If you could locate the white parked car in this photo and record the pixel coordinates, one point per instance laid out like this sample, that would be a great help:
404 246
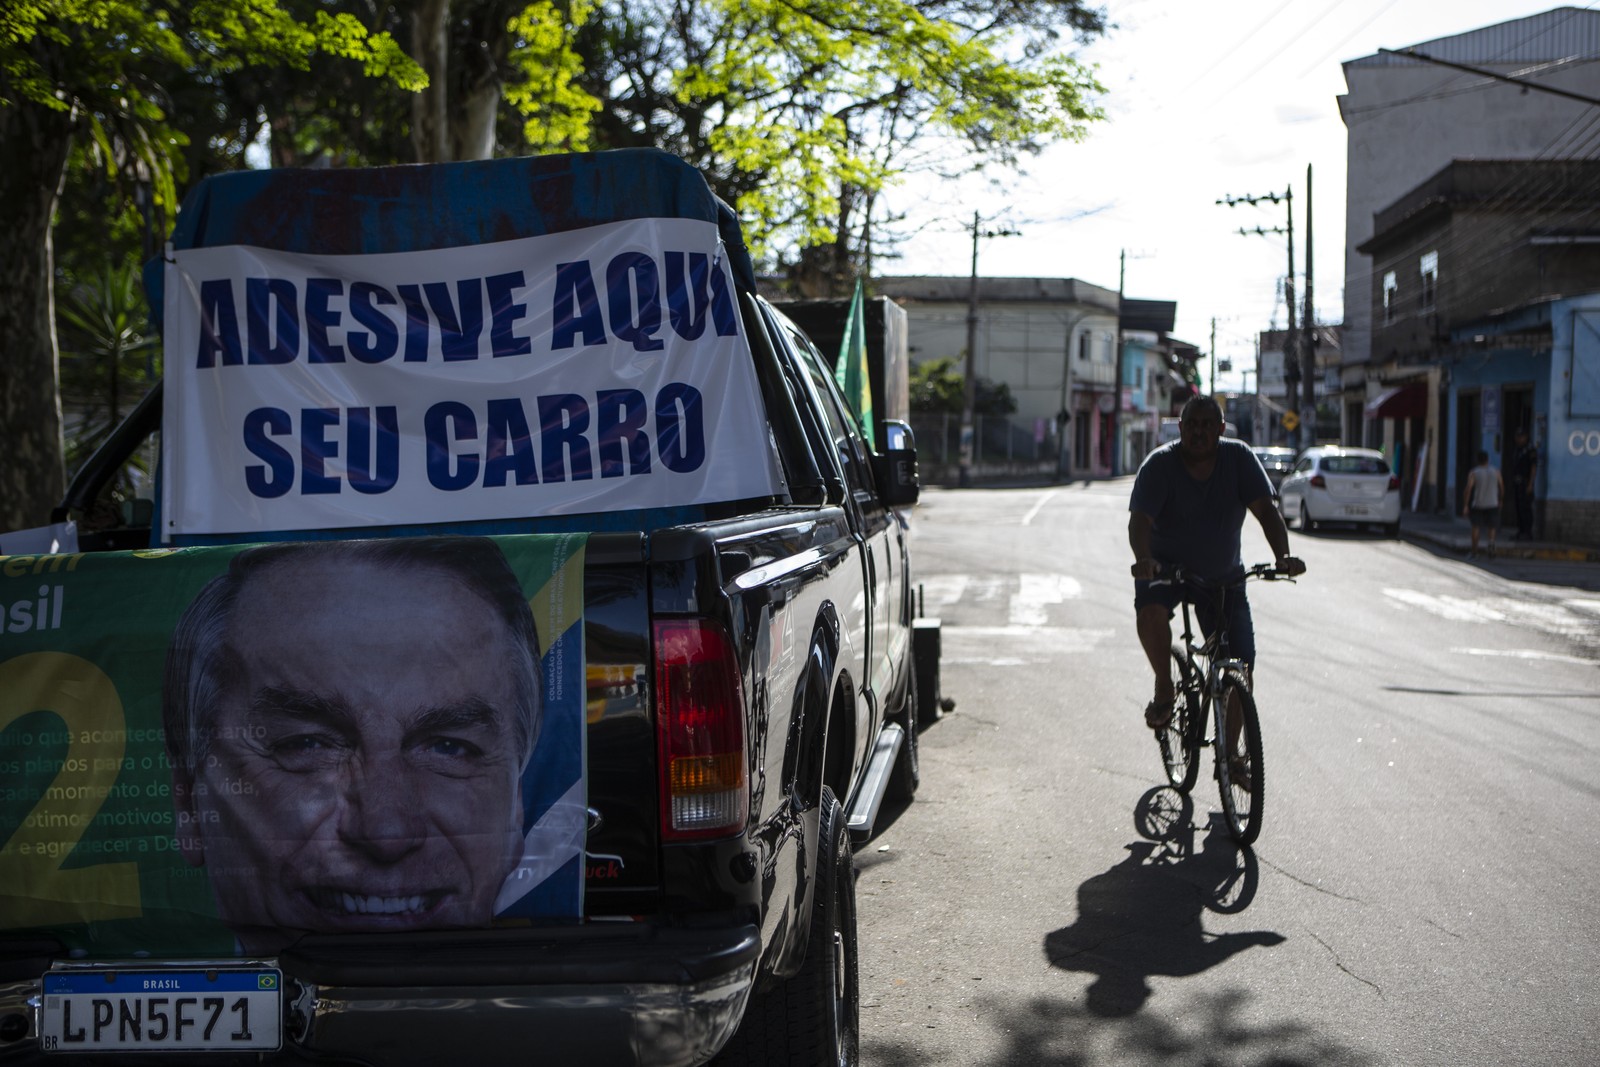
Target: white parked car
1331 484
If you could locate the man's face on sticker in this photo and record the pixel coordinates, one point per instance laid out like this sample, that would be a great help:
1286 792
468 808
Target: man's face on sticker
365 769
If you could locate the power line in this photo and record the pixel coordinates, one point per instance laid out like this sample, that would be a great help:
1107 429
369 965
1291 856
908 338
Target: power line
1412 53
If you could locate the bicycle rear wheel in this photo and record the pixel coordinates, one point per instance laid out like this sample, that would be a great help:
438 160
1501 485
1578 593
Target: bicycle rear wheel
1180 741
1240 776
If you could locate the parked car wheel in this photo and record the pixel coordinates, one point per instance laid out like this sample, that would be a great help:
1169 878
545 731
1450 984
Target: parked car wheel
1294 514
907 774
814 1018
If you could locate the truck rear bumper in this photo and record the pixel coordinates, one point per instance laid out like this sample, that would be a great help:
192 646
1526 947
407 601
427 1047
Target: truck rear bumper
596 994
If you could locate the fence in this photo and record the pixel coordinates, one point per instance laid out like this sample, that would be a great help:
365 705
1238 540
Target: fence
1002 448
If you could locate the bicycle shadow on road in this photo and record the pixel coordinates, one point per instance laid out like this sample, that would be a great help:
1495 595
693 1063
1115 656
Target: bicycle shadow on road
1142 917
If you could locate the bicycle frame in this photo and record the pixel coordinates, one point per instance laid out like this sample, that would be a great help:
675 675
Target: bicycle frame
1217 706
1214 652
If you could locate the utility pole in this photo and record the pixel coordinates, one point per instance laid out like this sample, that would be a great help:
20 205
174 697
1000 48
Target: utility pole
1213 389
1116 410
1116 418
1291 344
970 392
1263 432
1308 348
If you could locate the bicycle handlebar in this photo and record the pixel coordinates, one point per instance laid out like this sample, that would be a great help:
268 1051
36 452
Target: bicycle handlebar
1175 575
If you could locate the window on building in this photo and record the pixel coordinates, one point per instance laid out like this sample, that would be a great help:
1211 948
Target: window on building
1428 267
1391 293
1083 345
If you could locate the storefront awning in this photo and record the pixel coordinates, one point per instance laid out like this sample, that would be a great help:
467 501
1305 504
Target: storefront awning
1409 401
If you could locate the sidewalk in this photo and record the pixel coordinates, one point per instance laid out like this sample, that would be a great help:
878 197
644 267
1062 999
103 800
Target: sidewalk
1455 534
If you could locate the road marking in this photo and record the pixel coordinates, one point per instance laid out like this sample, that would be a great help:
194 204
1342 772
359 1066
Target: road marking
1010 646
1028 518
1454 608
1568 619
1035 592
1527 653
942 590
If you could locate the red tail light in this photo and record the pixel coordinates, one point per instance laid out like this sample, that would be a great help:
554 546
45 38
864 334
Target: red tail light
1319 482
699 730
1394 483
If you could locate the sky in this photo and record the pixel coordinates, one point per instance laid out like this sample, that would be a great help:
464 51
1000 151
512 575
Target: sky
1205 100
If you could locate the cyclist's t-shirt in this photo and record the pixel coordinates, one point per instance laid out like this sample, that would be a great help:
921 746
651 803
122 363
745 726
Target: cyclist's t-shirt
1197 523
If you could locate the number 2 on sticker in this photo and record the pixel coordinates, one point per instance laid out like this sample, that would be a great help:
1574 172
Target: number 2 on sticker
35 889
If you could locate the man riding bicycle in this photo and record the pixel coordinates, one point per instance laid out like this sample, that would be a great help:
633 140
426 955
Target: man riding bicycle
1187 509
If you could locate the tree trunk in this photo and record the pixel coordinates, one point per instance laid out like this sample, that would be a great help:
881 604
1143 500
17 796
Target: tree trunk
476 81
430 114
473 133
35 141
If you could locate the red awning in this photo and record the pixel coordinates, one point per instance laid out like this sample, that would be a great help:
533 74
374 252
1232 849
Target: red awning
1409 401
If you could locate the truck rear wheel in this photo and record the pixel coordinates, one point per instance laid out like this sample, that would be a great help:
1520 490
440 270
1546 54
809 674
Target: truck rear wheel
907 774
814 1018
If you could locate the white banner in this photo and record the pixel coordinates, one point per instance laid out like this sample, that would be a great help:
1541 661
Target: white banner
600 369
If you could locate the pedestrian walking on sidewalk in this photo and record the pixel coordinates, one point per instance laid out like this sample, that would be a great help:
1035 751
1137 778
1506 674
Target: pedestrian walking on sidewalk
1524 465
1485 487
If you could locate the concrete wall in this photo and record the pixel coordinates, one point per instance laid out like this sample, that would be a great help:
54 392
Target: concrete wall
1485 263
1570 473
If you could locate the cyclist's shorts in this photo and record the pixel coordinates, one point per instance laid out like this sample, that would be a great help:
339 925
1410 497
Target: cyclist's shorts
1241 630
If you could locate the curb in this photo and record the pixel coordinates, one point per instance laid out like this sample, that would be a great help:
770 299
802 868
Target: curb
1558 554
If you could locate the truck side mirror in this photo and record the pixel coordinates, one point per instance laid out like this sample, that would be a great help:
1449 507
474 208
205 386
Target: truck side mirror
895 468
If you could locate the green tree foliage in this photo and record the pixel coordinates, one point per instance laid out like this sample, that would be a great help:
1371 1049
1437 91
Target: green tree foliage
938 386
802 111
109 361
105 76
503 79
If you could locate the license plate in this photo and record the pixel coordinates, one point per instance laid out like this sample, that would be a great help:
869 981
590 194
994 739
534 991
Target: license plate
161 1010
1356 509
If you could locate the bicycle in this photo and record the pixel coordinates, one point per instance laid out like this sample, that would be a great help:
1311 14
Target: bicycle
1209 681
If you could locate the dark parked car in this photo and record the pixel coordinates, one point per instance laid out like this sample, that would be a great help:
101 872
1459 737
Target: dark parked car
1277 461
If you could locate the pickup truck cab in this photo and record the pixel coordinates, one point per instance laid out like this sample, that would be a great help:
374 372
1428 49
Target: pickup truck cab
519 636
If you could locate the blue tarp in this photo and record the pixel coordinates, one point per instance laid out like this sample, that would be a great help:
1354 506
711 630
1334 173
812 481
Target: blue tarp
333 211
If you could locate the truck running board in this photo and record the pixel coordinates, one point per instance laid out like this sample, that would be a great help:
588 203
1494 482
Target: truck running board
874 783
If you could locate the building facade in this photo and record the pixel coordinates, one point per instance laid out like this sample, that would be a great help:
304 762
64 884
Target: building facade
1158 375
1051 341
1481 299
1406 119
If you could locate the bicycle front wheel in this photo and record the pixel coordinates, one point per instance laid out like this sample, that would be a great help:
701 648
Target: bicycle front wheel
1240 776
1180 741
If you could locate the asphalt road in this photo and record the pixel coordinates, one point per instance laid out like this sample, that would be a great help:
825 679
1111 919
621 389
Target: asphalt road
1424 889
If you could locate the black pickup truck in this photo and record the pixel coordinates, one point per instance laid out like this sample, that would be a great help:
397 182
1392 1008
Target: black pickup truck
290 778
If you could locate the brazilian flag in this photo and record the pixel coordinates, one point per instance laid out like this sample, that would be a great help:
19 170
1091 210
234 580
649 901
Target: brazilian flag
850 371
